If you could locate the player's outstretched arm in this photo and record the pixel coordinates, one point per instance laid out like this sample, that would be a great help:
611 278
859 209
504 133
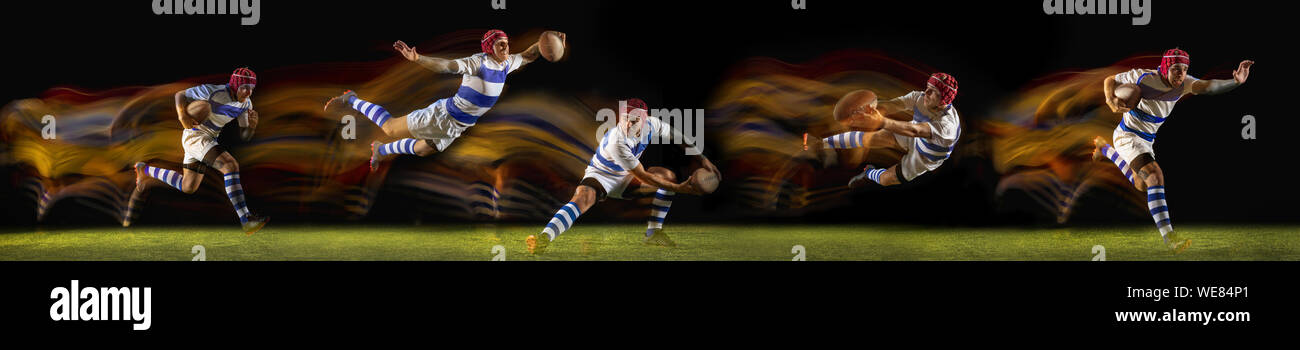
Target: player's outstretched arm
658 181
676 134
1219 86
907 129
535 51
440 65
181 113
891 107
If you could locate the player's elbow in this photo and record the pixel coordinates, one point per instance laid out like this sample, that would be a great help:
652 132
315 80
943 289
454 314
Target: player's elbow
446 66
916 130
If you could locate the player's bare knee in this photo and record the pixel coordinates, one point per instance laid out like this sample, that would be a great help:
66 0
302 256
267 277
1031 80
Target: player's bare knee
1153 175
189 187
584 197
423 149
228 167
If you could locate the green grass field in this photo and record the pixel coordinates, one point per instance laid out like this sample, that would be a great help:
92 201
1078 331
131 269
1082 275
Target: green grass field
623 242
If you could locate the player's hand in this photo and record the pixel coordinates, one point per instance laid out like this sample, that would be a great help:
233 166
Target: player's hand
867 118
561 35
1242 72
252 119
710 167
185 119
1117 105
407 51
688 187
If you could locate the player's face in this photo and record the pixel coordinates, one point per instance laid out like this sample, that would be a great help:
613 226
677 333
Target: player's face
633 122
932 96
1177 73
501 49
244 92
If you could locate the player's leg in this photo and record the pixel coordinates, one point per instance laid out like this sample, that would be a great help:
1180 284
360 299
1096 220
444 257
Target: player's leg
883 176
186 181
1103 151
235 191
175 179
397 127
191 177
379 150
374 112
663 200
1154 177
851 139
583 198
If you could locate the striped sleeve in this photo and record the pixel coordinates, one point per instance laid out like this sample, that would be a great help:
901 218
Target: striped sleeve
1129 77
200 92
243 117
909 100
469 65
945 128
517 61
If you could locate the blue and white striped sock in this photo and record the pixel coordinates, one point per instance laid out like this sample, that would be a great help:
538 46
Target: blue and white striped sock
874 174
403 146
852 139
374 112
562 221
1111 154
236 193
170 177
1159 209
658 210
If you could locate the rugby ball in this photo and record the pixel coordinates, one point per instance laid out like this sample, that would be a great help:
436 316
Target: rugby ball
199 110
1131 94
552 46
706 181
847 109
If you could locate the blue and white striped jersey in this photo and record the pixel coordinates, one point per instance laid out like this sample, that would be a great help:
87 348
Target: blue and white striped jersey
619 153
1157 103
224 108
480 85
945 129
